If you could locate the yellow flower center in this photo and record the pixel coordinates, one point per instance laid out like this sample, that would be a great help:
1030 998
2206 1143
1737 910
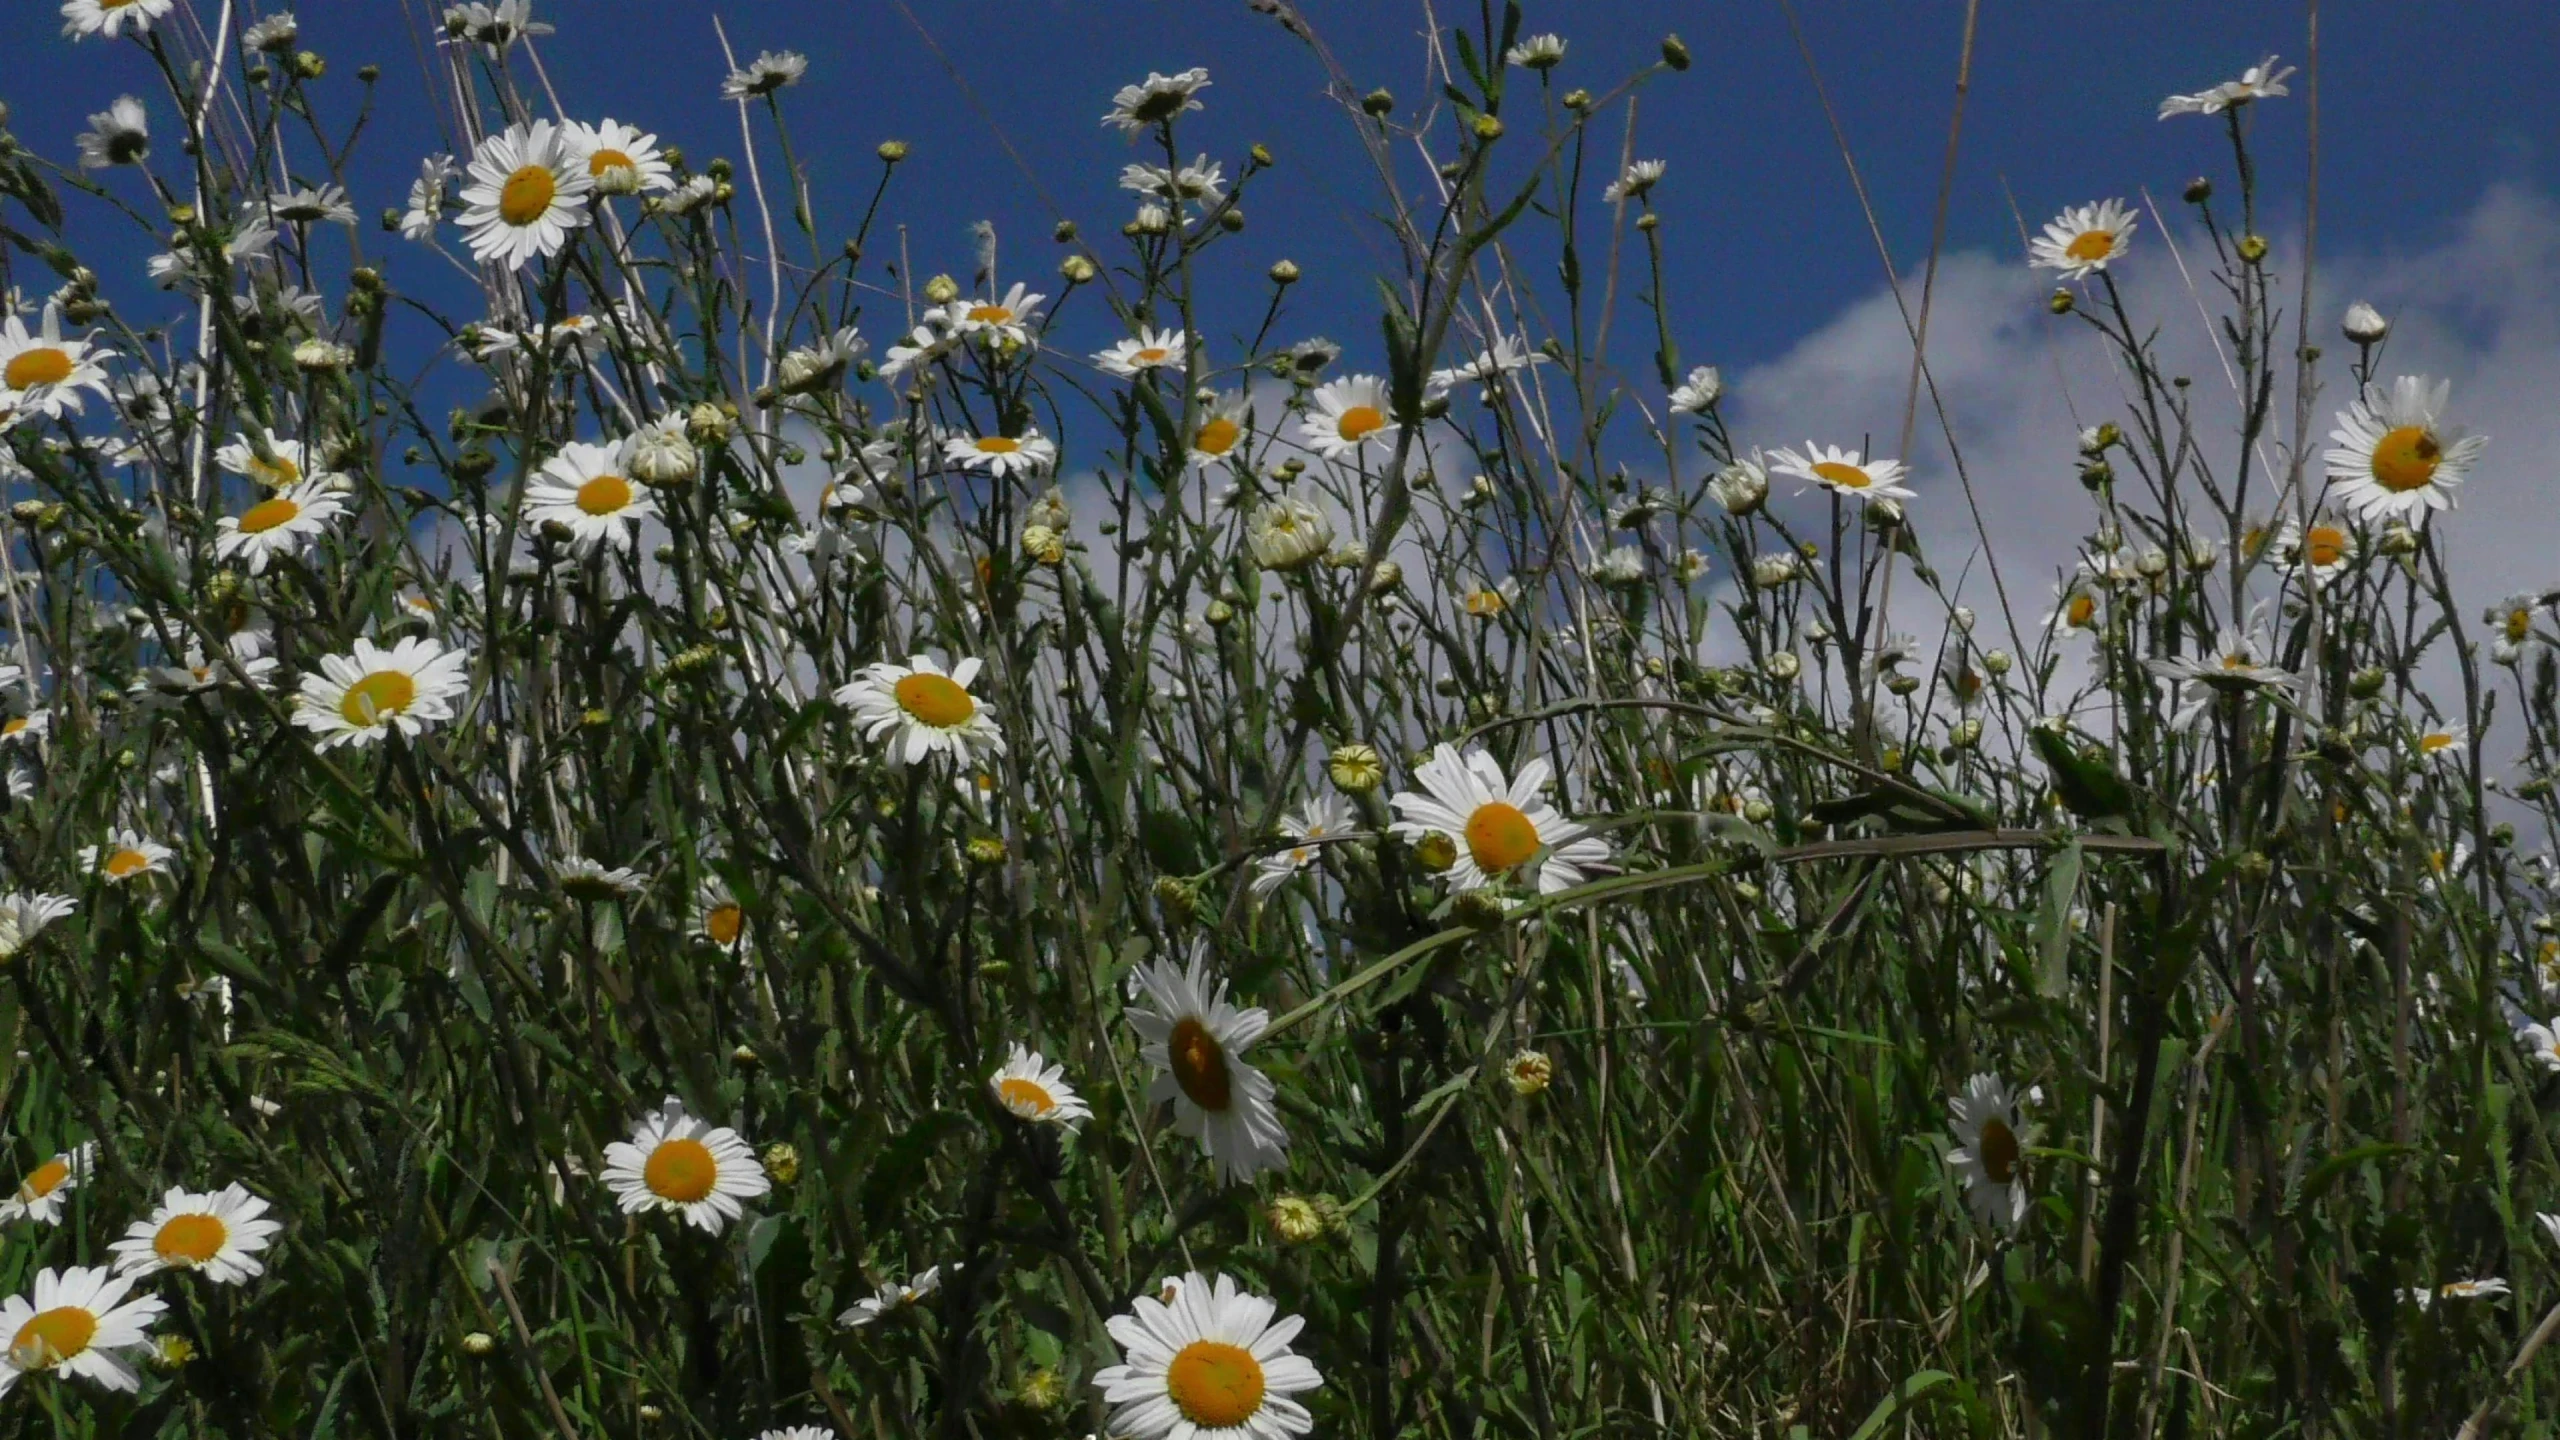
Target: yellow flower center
14 725
1847 477
990 315
187 1241
998 444
2091 245
2406 459
48 1177
936 700
2430 744
43 365
2082 610
2326 545
604 160
1484 603
2519 625
1025 1097
275 474
1359 421
380 694
1199 1064
1500 838
266 515
681 1170
1998 1151
725 923
120 865
1217 437
1215 1385
2236 661
526 197
1151 355
52 1336
605 495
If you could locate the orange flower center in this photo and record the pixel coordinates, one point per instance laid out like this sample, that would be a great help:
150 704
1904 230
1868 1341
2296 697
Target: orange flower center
681 1170
1151 355
1998 1151
935 700
526 197
14 725
1360 421
605 495
998 444
1215 1385
725 924
1483 603
266 515
2406 459
43 365
604 160
1217 437
48 1177
2435 742
1025 1097
2325 545
990 314
121 864
1500 838
52 1336
1199 1064
382 693
187 1241
2091 245
1847 477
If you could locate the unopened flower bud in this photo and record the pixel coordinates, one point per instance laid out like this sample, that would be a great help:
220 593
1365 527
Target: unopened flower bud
782 1162
941 290
2364 324
1355 769
1529 1072
1284 272
892 151
1997 662
1435 852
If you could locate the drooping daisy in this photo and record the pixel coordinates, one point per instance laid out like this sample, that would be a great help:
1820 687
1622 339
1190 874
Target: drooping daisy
45 371
1197 1041
304 205
675 1162
1346 415
924 345
1499 825
218 1233
2081 240
1538 52
1321 818
1842 472
799 1432
1507 356
1030 453
929 708
24 916
717 915
1635 182
580 878
428 196
40 1191
583 490
1148 350
1202 180
2234 663
1209 1364
2392 457
1156 100
1222 432
2481 1289
1033 1089
126 856
117 135
891 1298
1005 319
1991 1132
771 71
84 18
77 1321
1699 393
528 190
2262 81
620 159
1288 531
277 525
359 697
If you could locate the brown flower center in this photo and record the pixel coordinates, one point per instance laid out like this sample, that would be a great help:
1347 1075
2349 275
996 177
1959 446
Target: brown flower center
1199 1064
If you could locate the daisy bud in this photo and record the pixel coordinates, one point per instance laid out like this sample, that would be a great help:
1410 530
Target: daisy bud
660 456
2060 302
1041 1391
651 1414
1784 665
1529 1072
1386 577
1043 544
1477 910
941 290
2199 190
1262 156
1997 662
172 1352
2253 248
1435 852
986 849
1077 269
2153 564
1758 812
1674 53
2365 325
1176 897
1218 613
2367 682
318 356
479 1344
1902 684
782 1162
1231 219
2397 539
309 65
1488 127
1286 532
707 424
1064 233
1296 1220
1284 272
1378 103
1577 99
1962 619
1355 769
892 151
1964 735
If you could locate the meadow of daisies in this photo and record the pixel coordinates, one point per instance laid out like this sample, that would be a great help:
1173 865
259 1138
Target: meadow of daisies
760 833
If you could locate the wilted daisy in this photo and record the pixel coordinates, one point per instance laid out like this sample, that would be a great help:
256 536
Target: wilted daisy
717 915
117 135
1221 435
2262 81
359 697
2079 607
1157 99
1029 453
1842 472
1147 350
78 1322
1319 819
1741 487
1698 394
1621 566
2081 240
46 371
272 36
1200 180
924 344
923 709
1197 1042
24 916
1033 1089
1635 182
528 190
2512 618
771 71
1346 415
583 490
1499 825
83 18
218 1234
1287 531
620 159
891 1298
127 855
1990 1150
41 1191
580 878
2392 458
277 525
1208 1364
1006 318
677 1163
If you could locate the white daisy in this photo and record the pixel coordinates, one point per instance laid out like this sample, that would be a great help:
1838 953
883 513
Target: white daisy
771 71
2441 745
127 855
1321 818
286 463
1155 101
1148 350
2479 1289
277 525
2262 81
1202 180
891 1298
799 1432
304 205
1635 182
1005 319
1209 1364
1538 52
1699 392
2393 459
528 190
1508 355
583 490
929 708
717 915
2081 240
117 135
27 728
77 1321
40 372
1346 415
1033 1089
1842 472
359 697
2542 1042
924 344
24 916
1197 1041
428 196
675 1162
1990 1151
2327 550
84 18
40 1191
1223 429
580 878
219 1233
620 159
1029 453
1499 825
2235 663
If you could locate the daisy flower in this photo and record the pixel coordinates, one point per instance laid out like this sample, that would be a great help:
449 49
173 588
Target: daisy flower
2262 81
1208 1364
1201 180
2326 550
117 135
580 878
1507 356
1500 825
675 1162
1344 416
1635 182
1197 1041
84 18
286 462
891 1298
1287 531
1222 431
1842 472
1321 818
528 190
29 727
2234 663
24 916
799 1432
359 697
1155 101
2391 457
929 709
2513 617
1538 52
125 856
583 490
926 343
277 525
304 205
2457 1290
1699 393
1029 453
1004 319
2442 746
2081 240
219 1233
1149 350
717 915
45 371
1990 1146
771 71
40 1192
427 197
77 1321
620 159
2541 1042
1033 1089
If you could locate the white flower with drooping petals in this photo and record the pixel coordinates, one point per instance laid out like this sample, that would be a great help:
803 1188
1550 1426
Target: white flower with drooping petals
1322 818
84 18
1197 1041
1031 1088
41 1191
2262 81
1156 100
1991 1139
